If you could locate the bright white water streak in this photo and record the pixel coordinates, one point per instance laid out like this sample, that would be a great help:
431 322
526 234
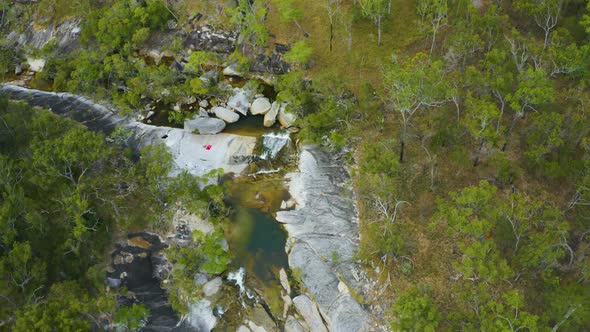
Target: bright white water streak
238 277
273 143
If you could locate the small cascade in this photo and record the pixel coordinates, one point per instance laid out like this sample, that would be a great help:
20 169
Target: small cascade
273 143
238 277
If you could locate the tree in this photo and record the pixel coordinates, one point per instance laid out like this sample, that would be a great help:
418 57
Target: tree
546 13
414 310
248 18
435 11
482 115
507 314
332 8
68 307
414 84
376 10
544 136
23 271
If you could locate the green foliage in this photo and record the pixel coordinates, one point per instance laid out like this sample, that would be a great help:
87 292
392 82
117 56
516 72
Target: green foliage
545 135
199 59
381 159
216 257
8 57
248 18
66 309
132 318
125 25
533 89
288 10
482 115
508 315
414 310
294 90
300 53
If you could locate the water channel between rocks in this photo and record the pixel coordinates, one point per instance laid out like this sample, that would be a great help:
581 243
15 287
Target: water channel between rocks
256 239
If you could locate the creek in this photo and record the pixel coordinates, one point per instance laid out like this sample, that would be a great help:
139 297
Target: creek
256 240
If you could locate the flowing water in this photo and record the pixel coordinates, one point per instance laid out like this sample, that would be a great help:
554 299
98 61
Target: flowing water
273 143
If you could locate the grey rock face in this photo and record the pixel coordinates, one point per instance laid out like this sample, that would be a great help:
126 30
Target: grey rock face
66 35
260 106
204 126
292 325
239 102
207 38
323 222
226 115
310 313
212 287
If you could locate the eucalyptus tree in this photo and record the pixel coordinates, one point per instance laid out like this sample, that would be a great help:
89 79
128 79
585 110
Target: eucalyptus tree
332 9
435 12
413 84
546 14
375 10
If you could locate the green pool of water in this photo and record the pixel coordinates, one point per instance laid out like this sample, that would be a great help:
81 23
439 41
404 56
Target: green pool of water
257 241
258 244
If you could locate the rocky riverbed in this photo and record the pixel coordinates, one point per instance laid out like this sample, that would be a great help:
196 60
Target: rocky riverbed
318 214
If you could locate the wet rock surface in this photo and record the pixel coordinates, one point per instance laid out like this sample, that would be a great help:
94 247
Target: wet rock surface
325 222
133 267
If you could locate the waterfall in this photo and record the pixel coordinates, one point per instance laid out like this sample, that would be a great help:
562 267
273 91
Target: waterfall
273 143
238 277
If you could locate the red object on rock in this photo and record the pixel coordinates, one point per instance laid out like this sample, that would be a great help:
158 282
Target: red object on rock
208 147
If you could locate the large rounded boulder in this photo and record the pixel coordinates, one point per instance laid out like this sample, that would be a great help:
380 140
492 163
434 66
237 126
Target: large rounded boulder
225 114
204 126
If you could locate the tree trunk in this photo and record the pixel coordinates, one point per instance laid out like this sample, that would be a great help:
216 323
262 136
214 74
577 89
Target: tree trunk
378 30
546 37
434 30
478 154
402 142
512 124
331 35
401 151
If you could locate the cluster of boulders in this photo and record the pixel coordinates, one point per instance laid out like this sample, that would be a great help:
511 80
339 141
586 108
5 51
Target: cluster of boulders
214 119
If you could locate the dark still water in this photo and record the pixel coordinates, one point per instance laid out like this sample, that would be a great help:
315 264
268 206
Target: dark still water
258 243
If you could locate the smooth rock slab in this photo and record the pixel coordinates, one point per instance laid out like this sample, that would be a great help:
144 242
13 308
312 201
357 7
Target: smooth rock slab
260 106
204 126
325 221
226 115
292 325
310 313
